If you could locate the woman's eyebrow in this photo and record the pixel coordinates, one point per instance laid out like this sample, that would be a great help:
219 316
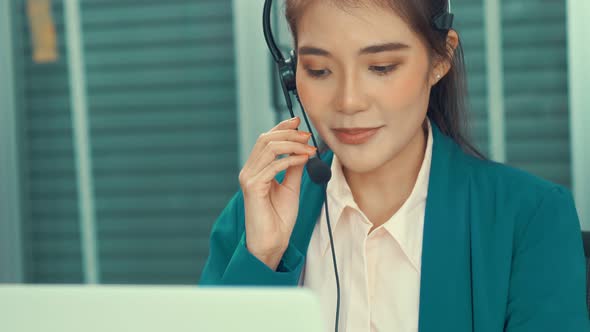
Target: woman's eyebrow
372 49
383 48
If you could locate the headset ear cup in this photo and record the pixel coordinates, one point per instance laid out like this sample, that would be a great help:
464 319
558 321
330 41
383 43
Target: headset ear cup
294 60
287 71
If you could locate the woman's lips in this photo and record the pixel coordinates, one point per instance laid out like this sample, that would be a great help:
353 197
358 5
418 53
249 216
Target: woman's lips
355 135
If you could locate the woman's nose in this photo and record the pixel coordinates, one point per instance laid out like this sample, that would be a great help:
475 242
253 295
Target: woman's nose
350 97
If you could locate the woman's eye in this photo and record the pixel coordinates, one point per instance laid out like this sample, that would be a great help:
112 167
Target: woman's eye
383 70
316 73
321 73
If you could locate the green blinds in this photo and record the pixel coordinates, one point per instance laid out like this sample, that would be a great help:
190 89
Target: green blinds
163 131
534 54
535 87
50 218
469 16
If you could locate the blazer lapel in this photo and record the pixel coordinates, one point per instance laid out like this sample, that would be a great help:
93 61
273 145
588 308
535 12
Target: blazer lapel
445 285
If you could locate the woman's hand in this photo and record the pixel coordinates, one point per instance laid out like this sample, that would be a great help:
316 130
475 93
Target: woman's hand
271 207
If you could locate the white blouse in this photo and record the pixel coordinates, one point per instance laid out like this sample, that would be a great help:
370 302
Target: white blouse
379 272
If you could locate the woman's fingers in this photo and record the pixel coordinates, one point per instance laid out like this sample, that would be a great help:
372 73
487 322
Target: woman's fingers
271 138
291 123
271 170
276 148
278 132
292 179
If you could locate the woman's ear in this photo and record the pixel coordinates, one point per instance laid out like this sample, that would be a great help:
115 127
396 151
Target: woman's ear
443 65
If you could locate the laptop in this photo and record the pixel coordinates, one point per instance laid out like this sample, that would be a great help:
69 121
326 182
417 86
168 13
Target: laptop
113 308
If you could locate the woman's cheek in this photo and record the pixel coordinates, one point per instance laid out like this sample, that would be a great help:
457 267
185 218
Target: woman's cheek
303 89
311 95
308 100
404 91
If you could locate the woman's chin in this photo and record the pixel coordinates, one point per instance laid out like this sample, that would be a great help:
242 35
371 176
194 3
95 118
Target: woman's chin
359 163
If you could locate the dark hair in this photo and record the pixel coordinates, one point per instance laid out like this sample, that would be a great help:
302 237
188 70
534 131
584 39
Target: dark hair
447 98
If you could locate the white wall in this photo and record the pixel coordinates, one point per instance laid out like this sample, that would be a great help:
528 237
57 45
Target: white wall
579 73
253 74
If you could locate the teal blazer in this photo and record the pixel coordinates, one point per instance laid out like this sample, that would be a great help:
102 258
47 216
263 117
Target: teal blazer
502 249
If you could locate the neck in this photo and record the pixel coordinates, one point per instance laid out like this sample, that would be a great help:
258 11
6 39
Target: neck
381 192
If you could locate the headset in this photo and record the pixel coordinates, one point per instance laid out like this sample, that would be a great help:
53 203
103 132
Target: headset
319 172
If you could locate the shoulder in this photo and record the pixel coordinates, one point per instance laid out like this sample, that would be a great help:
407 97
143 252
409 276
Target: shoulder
504 177
512 190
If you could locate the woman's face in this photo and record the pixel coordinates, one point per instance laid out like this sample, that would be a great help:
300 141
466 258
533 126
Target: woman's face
362 68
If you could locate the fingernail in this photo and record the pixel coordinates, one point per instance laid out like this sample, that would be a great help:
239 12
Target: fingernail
293 119
305 134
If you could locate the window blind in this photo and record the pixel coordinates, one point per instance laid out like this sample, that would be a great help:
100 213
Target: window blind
163 131
535 85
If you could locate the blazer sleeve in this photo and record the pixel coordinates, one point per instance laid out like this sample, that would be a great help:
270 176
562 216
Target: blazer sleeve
548 276
230 262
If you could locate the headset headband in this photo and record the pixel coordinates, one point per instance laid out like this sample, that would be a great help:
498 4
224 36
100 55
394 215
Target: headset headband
444 21
272 46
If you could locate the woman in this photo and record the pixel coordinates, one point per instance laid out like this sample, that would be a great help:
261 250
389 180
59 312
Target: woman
429 236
